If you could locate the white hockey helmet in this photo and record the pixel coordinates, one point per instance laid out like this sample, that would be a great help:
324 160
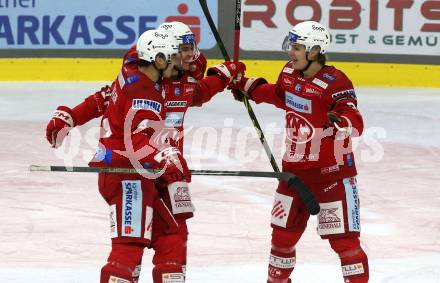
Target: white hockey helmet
309 34
154 42
181 32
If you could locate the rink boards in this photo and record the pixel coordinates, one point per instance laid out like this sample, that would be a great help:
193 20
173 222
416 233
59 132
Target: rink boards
94 69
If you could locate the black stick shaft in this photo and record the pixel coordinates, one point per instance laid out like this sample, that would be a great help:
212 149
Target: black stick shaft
248 106
304 193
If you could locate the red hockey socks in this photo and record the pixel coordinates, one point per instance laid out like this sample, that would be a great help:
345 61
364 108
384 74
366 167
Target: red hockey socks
354 261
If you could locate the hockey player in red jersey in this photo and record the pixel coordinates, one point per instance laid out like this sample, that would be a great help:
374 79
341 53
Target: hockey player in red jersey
135 100
136 103
185 87
321 118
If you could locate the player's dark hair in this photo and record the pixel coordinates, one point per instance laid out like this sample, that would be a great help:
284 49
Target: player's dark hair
322 59
143 63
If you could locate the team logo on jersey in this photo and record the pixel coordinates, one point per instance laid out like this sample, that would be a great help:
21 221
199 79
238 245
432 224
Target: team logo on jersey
298 129
298 88
177 91
320 83
174 119
131 208
171 104
329 77
297 103
145 104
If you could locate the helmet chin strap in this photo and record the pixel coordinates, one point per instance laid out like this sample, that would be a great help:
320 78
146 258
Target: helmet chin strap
309 62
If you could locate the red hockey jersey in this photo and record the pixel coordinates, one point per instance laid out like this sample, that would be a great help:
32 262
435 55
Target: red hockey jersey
314 150
133 115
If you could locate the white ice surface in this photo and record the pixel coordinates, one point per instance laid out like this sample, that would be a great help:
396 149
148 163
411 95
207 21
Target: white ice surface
53 226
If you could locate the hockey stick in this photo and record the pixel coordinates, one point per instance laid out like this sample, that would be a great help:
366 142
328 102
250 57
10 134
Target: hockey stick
237 30
227 58
304 193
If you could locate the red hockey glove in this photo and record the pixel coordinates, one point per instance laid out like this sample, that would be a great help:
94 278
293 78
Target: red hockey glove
227 70
245 85
174 165
341 123
59 126
238 95
198 66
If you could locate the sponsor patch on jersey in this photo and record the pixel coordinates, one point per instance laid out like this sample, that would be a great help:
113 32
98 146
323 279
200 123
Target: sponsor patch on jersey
132 79
280 209
298 104
191 80
131 208
329 77
114 95
349 160
331 218
148 222
288 81
137 271
351 194
330 169
114 279
329 188
146 104
349 93
282 262
121 80
353 269
320 83
113 221
311 90
174 119
180 198
173 277
172 104
189 89
288 70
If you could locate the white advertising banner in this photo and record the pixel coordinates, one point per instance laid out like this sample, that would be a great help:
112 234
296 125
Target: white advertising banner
364 26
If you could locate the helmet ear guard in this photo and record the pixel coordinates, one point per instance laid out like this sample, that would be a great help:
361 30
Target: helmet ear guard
154 43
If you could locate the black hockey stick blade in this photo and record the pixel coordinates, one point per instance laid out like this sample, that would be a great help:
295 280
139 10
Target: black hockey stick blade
245 99
293 181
